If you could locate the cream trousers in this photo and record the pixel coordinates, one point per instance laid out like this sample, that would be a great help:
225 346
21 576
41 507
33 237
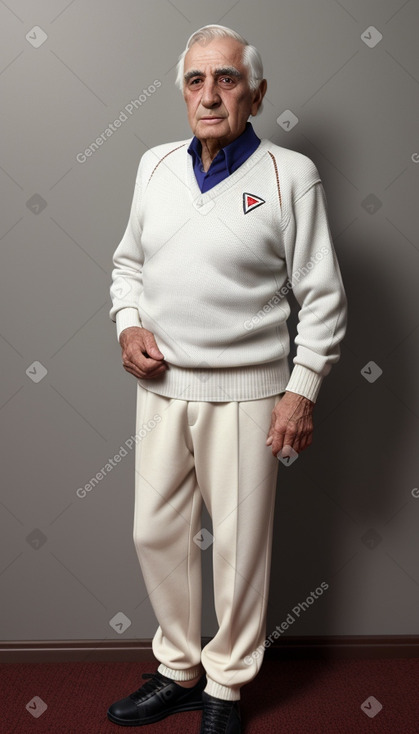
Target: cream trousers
189 452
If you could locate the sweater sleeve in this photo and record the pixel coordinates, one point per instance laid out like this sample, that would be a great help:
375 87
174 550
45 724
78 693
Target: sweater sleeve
127 282
317 285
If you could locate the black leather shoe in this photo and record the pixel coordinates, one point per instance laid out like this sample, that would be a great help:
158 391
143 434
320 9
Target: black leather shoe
155 700
220 717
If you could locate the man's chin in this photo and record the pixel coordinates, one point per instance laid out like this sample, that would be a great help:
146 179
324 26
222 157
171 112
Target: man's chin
212 129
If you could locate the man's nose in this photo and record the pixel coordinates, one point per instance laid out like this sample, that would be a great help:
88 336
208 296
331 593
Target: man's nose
210 95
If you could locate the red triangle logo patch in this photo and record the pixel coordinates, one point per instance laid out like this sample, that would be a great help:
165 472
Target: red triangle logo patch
251 201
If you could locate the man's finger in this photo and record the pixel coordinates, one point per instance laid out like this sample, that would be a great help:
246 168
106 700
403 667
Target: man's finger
139 359
141 373
290 437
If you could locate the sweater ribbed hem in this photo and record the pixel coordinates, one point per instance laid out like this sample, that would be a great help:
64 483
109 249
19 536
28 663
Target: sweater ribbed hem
305 382
221 385
219 691
180 674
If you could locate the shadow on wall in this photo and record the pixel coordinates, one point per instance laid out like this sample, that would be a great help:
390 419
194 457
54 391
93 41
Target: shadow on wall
339 501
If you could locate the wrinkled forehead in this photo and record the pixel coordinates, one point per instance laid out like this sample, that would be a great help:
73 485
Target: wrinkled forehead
216 54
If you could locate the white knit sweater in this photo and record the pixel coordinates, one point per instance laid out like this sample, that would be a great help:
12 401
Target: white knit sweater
209 273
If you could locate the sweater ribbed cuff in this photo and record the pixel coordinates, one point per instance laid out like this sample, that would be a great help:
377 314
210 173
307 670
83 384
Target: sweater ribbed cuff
305 382
218 691
125 318
180 674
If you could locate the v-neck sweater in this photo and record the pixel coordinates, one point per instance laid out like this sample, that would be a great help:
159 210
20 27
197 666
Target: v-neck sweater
209 273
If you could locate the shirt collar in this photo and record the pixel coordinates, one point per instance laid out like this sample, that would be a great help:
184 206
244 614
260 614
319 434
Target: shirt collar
231 152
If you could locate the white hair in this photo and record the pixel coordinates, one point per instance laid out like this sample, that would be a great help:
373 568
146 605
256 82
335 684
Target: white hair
251 57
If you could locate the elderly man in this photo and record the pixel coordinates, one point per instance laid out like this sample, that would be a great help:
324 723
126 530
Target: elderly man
221 227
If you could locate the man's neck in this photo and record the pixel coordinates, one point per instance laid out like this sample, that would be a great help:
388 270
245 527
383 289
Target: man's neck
210 148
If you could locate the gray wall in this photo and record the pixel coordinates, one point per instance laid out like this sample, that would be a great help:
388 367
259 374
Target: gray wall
347 509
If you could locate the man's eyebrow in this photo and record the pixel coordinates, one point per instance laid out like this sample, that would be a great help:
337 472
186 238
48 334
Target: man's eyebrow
228 71
221 71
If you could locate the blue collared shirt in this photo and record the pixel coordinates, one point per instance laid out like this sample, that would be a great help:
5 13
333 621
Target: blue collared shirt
227 160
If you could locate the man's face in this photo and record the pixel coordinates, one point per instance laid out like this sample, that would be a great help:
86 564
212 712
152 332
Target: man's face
216 91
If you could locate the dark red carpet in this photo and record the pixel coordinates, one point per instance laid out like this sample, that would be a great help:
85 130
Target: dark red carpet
288 697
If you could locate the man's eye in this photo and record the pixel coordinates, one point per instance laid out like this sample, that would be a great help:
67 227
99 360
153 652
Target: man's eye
194 81
226 79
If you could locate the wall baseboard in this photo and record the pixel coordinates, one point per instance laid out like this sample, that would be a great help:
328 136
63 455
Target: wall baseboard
333 646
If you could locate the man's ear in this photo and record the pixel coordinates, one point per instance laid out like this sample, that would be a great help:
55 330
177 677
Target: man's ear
259 94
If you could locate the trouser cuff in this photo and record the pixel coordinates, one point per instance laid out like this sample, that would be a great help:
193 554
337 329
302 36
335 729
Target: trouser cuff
224 692
180 674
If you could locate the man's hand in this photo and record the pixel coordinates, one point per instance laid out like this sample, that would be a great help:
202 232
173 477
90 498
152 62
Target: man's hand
291 424
140 353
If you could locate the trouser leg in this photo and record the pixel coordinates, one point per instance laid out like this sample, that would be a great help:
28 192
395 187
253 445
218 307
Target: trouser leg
167 515
237 476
